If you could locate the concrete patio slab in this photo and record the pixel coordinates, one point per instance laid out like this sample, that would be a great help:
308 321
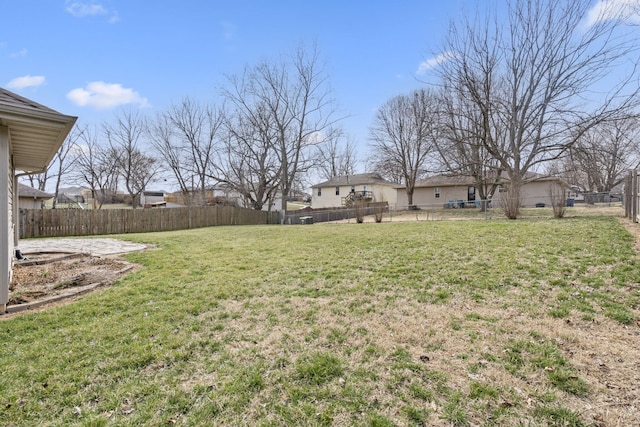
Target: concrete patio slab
99 246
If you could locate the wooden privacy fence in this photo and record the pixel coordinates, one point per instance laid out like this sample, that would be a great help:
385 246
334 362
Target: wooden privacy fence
325 215
78 222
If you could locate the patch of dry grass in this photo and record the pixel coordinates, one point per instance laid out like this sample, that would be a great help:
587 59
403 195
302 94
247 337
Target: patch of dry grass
439 323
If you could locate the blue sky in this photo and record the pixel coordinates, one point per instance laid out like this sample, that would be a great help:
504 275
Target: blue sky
89 58
148 54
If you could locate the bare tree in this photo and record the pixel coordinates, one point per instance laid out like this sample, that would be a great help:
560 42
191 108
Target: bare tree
162 136
187 137
39 180
533 77
248 162
289 108
387 168
65 159
136 168
462 131
95 166
336 156
605 153
403 136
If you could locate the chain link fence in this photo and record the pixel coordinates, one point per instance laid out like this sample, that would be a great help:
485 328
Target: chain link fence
450 211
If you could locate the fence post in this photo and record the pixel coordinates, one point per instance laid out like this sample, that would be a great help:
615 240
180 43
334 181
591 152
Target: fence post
634 206
629 198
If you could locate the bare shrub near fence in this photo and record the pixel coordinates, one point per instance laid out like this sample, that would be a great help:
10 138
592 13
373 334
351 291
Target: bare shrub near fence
558 200
510 201
360 208
377 212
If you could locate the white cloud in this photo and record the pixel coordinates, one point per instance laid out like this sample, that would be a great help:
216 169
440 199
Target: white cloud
19 54
103 95
228 30
605 10
434 62
26 81
114 17
80 10
315 138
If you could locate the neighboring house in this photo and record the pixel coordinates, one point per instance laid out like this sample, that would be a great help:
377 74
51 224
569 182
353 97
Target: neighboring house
339 191
70 201
30 135
153 199
440 191
577 193
539 190
457 191
225 193
31 198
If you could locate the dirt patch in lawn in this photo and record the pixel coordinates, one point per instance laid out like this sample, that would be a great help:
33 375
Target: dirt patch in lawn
52 277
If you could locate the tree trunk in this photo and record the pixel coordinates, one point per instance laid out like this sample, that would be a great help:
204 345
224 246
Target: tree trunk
511 199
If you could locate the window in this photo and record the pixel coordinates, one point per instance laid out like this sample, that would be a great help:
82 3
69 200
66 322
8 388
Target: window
337 191
319 191
471 194
436 192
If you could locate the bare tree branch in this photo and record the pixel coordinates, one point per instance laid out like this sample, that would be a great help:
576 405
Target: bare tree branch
403 137
136 168
536 82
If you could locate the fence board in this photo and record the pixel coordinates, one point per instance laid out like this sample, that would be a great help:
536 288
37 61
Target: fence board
78 222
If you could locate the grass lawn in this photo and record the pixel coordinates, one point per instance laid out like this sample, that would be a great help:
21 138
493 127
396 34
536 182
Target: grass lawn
528 322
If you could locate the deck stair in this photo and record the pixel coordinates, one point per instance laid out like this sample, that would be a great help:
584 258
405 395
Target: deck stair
356 196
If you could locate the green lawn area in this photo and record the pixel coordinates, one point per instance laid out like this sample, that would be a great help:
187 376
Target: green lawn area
527 322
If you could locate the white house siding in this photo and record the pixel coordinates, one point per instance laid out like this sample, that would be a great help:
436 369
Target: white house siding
6 213
150 197
329 199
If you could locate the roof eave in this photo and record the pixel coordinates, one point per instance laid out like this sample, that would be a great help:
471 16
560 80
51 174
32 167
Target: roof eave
61 124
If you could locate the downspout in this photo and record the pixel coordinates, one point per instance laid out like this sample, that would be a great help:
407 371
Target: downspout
16 212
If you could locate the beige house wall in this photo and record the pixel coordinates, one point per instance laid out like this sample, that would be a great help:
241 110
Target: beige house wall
534 192
531 193
29 203
426 196
385 193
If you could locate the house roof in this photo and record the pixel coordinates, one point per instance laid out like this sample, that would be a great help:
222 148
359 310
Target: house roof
467 180
36 131
357 179
32 193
